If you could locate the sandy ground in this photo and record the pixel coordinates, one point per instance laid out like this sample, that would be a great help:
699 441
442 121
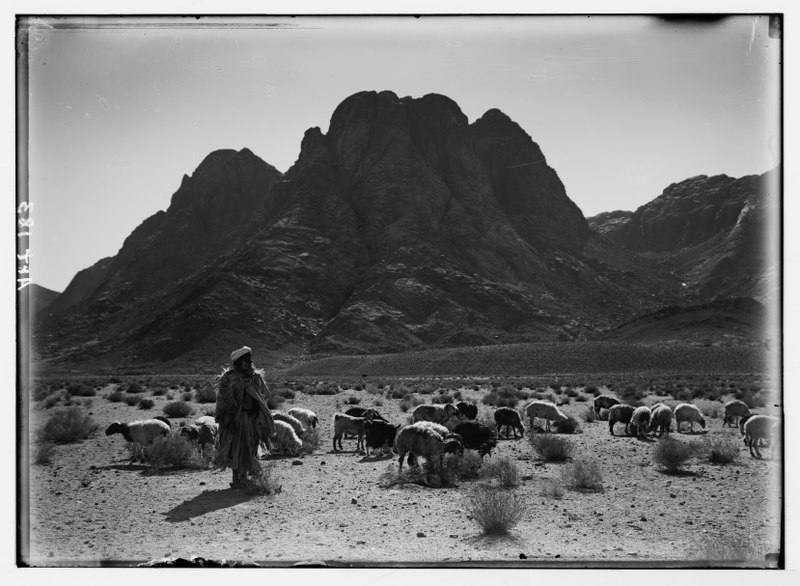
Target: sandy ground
90 506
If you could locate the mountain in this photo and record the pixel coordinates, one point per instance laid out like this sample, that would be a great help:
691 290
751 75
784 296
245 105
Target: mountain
403 227
40 297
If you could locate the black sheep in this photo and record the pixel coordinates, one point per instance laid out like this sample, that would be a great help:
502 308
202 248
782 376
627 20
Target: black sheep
468 410
365 413
508 418
379 433
476 436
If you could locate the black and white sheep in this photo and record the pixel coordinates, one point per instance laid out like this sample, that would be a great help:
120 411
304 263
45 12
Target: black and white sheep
367 413
285 440
544 410
419 442
379 434
204 431
164 419
620 413
144 431
508 418
661 419
604 402
306 416
468 410
760 431
435 413
476 436
640 420
686 412
734 411
296 424
343 423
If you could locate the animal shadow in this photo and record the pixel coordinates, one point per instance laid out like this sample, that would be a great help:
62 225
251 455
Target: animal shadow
375 458
207 501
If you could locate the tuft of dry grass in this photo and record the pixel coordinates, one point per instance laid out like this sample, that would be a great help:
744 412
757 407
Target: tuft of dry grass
583 475
551 448
504 469
721 450
495 511
264 483
551 489
672 454
172 451
44 453
178 409
67 426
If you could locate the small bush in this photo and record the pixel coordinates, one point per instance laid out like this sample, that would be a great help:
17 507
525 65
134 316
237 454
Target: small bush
551 489
44 453
187 396
145 404
495 511
505 470
206 394
672 454
571 425
132 400
378 402
551 448
722 450
352 400
135 387
505 396
81 390
67 426
159 392
583 475
178 409
409 402
590 416
469 465
172 451
264 483
116 397
441 399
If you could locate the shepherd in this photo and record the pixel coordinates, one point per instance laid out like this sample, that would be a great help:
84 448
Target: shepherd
243 416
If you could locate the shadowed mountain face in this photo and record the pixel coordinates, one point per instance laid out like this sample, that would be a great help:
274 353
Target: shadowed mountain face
404 227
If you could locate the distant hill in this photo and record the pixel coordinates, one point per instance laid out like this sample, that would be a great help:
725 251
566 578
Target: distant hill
40 297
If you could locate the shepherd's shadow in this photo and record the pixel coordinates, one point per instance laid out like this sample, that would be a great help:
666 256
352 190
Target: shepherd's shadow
207 501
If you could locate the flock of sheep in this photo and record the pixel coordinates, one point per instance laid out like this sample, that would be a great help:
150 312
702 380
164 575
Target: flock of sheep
440 429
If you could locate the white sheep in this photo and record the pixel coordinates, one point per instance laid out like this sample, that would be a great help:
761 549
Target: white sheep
735 410
285 440
604 402
661 419
620 414
343 423
640 420
757 428
544 410
419 441
297 426
306 416
688 412
143 431
435 413
204 430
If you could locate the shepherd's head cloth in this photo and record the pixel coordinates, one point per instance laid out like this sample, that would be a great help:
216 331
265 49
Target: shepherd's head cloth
237 354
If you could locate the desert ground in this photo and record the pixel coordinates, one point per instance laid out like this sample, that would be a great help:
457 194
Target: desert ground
89 505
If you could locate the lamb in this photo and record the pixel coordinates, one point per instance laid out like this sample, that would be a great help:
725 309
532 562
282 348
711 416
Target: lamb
143 431
544 410
604 402
508 418
343 423
757 428
468 410
735 410
688 412
286 440
379 434
661 419
419 441
297 426
620 414
307 417
640 420
435 413
476 436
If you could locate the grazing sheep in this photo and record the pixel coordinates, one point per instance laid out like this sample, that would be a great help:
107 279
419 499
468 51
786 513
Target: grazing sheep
437 427
476 436
286 440
143 431
688 412
640 420
419 441
297 426
453 444
661 419
204 431
758 428
164 419
620 414
604 402
307 417
205 420
468 410
343 423
508 418
544 410
735 410
369 414
379 434
435 413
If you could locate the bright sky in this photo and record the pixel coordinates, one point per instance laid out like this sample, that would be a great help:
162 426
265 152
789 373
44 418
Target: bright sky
620 106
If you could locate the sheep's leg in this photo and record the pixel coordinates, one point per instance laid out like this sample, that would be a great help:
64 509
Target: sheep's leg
402 455
611 427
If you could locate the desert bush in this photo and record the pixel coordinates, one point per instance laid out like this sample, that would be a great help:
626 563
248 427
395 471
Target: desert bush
159 392
51 402
41 392
551 489
469 465
581 399
43 453
504 469
145 404
495 511
672 454
135 387
583 475
551 448
378 402
571 392
132 400
81 390
286 394
178 409
352 400
264 483
589 416
571 425
116 396
206 394
734 549
310 440
441 398
172 451
409 402
505 396
721 450
67 426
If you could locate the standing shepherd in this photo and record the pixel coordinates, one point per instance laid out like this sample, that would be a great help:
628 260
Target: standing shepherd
243 417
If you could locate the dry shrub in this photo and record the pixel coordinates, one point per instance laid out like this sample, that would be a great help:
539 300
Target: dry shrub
722 450
135 387
571 425
551 489
263 483
44 453
496 511
132 400
590 416
67 426
116 396
206 394
504 469
178 409
740 548
146 404
469 465
551 448
505 396
672 454
583 475
172 451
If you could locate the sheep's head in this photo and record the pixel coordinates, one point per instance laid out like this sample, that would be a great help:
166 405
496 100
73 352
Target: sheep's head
115 427
702 422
